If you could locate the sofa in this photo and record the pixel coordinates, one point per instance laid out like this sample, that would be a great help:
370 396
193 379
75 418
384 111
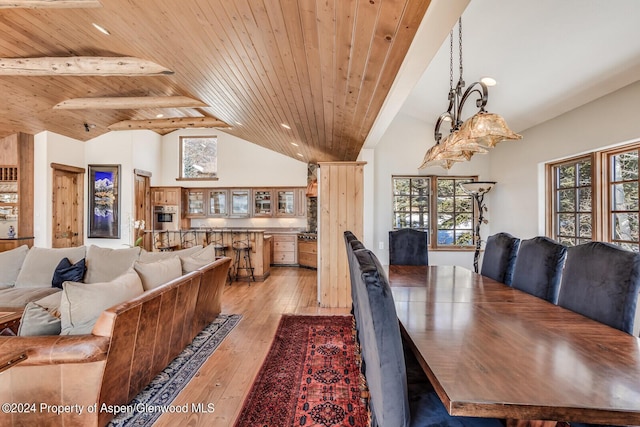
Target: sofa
101 360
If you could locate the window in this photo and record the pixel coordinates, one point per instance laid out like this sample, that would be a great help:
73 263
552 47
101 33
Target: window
595 197
198 157
572 201
623 199
450 211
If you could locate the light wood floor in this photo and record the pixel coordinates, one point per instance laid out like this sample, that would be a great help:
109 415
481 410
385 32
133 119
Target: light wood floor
227 376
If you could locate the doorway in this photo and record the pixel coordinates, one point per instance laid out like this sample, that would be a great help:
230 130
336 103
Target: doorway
142 210
67 206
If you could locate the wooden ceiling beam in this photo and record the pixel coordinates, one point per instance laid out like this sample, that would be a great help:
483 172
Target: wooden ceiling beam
45 4
170 123
81 66
129 103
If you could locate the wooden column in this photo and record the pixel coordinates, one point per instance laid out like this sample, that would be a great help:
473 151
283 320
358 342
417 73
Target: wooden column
340 208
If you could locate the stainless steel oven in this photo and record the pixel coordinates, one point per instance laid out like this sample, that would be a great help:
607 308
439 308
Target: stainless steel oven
166 218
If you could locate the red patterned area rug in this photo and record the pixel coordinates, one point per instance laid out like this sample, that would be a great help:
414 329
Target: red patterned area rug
311 377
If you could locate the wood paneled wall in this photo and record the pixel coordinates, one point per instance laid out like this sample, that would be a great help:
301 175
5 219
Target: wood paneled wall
340 208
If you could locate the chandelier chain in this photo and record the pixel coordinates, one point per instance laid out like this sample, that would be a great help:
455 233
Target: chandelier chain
451 60
460 44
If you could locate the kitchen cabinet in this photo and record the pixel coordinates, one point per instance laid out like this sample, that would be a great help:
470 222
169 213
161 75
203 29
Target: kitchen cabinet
308 253
284 249
301 201
165 196
218 203
16 189
195 203
286 202
240 203
262 202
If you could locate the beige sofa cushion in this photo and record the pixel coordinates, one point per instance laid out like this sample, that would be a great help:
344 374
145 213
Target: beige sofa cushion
51 303
40 263
105 264
154 274
19 297
36 320
82 303
10 265
146 256
198 259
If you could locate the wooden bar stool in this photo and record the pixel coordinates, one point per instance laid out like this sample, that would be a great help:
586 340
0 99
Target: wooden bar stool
241 245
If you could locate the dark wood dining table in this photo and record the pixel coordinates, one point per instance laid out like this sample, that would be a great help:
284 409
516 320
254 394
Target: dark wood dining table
493 351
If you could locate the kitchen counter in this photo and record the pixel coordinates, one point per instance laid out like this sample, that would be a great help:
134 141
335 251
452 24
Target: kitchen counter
8 243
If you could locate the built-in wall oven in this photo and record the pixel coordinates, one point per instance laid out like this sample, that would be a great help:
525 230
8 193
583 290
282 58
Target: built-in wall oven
166 217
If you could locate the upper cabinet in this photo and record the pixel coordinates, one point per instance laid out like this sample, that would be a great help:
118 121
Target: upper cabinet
165 195
242 202
16 186
218 203
262 202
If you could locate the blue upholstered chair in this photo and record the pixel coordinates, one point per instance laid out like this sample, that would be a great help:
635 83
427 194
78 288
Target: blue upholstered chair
408 247
601 281
538 268
393 403
499 257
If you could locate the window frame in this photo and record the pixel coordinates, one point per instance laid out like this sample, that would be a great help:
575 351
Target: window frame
432 213
181 177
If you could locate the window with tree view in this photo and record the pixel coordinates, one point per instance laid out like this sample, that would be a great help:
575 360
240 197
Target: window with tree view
198 157
450 211
623 203
573 201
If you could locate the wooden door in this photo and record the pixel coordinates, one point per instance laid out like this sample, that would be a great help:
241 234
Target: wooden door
142 209
67 206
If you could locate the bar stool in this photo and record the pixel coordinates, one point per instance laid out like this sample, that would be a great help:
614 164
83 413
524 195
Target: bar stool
216 238
188 238
241 244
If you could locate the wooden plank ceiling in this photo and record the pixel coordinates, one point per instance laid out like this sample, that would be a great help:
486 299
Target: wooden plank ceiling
321 67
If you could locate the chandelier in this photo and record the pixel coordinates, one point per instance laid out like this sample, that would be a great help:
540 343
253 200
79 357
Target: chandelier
476 135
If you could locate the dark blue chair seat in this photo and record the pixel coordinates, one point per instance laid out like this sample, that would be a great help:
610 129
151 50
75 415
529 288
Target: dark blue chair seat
601 281
499 257
538 268
408 247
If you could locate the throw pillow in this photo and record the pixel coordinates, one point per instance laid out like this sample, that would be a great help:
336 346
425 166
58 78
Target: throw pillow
67 272
198 259
51 303
146 256
36 320
82 303
154 274
40 263
10 265
105 264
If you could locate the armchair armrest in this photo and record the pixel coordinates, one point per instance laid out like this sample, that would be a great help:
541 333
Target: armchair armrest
52 350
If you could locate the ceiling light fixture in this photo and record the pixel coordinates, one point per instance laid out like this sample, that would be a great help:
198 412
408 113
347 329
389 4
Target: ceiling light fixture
300 155
159 116
294 144
101 29
286 126
482 131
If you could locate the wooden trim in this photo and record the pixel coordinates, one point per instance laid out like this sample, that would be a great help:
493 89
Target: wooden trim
49 4
67 168
142 172
129 103
170 123
341 163
81 66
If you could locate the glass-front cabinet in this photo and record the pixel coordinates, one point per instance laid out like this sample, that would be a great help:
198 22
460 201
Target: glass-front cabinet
262 202
218 206
195 203
8 208
240 203
286 202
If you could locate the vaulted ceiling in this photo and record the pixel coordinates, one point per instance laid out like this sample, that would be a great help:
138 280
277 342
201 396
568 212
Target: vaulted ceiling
322 68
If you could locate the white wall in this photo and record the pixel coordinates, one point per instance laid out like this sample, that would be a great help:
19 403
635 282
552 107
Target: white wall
240 164
518 166
50 148
139 149
400 152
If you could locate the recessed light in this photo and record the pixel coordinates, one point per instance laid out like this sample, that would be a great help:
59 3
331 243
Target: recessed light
300 155
489 81
284 125
238 123
159 116
294 144
101 29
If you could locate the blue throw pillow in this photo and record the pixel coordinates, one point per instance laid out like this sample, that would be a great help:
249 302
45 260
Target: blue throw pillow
65 271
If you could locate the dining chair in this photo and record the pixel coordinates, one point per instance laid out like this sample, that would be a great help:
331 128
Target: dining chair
601 281
408 247
538 268
499 258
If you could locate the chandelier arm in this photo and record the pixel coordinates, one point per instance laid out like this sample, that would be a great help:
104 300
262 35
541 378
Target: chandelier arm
437 135
483 96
